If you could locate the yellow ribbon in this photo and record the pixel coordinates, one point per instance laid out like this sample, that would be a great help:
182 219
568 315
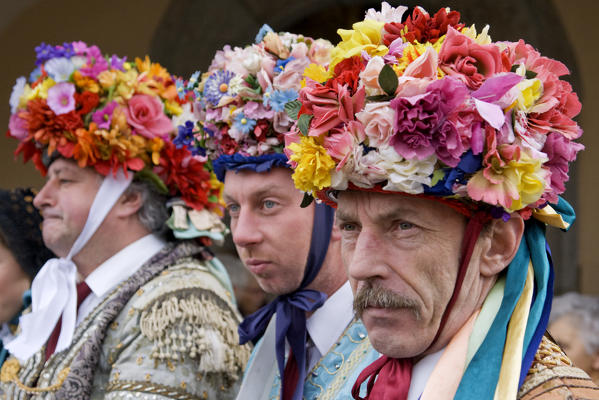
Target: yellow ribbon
548 215
507 386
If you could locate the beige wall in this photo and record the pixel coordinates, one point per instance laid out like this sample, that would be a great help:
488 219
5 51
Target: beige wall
126 27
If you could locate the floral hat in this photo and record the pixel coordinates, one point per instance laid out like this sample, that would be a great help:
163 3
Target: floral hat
108 113
426 105
245 102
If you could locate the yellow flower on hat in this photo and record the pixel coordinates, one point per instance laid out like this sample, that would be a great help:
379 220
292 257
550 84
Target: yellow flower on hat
314 164
315 72
529 179
365 36
529 91
40 91
85 82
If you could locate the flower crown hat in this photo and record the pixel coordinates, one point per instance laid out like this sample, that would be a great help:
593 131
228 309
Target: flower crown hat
110 114
428 106
243 101
117 117
423 105
242 106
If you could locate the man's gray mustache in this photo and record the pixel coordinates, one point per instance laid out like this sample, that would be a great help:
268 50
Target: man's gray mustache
376 296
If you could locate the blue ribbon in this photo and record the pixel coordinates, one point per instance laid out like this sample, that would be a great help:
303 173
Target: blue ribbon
238 162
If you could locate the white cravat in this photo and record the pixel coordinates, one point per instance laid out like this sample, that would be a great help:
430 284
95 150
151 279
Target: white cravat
53 290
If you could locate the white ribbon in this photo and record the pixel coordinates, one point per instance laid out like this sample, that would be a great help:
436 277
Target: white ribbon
53 290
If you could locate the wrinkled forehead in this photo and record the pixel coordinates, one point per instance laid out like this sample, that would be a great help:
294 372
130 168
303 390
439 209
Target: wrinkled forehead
381 207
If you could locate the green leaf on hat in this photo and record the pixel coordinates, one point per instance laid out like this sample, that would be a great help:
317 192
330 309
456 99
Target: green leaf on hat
307 200
530 74
252 81
304 123
213 199
380 97
388 80
292 109
148 175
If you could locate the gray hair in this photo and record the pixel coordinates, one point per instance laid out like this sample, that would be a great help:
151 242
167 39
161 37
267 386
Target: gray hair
153 212
586 309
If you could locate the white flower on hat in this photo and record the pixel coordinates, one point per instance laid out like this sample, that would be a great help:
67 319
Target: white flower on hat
404 175
59 69
387 13
17 92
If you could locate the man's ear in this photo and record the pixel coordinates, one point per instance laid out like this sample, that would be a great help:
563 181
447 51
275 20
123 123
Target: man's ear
129 203
502 240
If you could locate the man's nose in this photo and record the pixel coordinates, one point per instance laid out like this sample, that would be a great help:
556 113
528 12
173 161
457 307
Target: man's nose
246 230
367 260
44 196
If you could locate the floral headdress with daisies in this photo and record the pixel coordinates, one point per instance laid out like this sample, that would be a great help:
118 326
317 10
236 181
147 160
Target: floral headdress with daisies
242 103
109 114
426 105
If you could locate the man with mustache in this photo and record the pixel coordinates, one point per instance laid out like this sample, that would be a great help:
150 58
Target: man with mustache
126 309
308 343
445 156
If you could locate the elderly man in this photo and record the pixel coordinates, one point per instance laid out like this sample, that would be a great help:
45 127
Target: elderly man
311 346
445 153
124 312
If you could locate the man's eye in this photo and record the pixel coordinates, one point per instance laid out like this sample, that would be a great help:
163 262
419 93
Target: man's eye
405 226
348 227
269 204
233 208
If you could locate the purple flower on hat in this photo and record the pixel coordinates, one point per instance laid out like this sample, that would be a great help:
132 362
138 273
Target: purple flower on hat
45 52
560 152
421 125
103 117
117 62
61 98
217 86
96 62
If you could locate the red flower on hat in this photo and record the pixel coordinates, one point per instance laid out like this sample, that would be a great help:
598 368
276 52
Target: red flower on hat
183 173
347 72
86 102
421 27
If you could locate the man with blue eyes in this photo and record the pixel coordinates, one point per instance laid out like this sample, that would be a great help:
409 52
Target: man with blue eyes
307 340
444 187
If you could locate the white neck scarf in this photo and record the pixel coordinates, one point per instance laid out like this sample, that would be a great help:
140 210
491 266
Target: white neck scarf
53 290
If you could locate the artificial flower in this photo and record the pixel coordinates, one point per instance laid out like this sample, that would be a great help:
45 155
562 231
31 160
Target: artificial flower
145 114
61 99
365 36
60 69
243 123
314 165
17 91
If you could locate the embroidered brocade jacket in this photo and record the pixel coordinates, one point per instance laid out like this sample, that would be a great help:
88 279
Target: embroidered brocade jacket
553 377
167 332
